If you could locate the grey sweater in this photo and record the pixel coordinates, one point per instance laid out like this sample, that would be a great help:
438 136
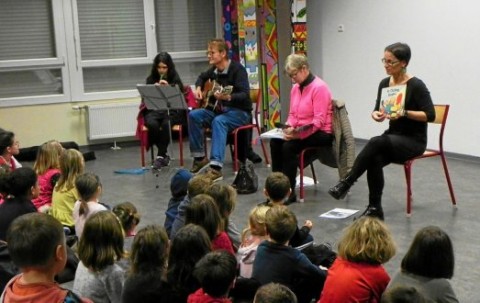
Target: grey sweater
101 287
437 290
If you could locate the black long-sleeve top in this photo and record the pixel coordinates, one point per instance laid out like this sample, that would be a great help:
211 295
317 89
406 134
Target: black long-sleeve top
417 99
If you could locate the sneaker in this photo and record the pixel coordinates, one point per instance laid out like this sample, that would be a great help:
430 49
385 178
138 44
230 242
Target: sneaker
161 162
198 165
213 174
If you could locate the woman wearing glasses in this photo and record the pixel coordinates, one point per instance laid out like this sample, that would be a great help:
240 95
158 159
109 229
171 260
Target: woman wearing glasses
309 122
406 136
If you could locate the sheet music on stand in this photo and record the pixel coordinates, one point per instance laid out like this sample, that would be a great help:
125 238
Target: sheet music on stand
162 97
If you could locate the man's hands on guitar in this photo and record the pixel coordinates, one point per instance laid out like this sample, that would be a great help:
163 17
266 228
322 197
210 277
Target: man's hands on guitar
222 96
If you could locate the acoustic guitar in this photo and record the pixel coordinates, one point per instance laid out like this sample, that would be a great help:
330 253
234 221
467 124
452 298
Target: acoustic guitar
208 100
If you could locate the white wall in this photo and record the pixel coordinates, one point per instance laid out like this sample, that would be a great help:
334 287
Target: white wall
444 38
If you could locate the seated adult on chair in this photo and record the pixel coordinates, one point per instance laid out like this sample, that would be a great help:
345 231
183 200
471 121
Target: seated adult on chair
156 121
405 138
309 122
234 110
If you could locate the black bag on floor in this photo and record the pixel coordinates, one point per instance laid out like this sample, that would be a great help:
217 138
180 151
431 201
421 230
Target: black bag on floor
246 181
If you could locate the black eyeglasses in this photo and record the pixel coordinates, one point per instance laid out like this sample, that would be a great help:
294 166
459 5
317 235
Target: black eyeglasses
389 62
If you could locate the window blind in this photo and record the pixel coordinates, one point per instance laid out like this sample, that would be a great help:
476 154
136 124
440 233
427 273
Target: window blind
26 30
111 29
184 25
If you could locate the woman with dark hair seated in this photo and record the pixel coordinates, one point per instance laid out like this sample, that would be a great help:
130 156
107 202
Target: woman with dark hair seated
428 265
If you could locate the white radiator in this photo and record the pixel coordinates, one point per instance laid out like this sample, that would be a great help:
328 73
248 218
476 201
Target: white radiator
112 120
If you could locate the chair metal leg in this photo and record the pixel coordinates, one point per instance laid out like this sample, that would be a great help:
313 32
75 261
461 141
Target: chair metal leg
142 154
449 182
408 177
180 143
302 164
152 155
313 173
264 149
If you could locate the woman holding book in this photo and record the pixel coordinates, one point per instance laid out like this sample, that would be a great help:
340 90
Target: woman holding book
156 121
309 122
406 136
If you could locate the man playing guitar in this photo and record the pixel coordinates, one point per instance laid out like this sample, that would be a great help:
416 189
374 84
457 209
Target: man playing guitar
235 109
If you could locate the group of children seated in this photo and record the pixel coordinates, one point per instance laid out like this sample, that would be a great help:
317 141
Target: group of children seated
199 255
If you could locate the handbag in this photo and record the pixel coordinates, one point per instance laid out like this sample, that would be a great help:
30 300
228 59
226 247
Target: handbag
246 181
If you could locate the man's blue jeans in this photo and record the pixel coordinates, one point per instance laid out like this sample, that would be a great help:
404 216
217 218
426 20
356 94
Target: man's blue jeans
220 124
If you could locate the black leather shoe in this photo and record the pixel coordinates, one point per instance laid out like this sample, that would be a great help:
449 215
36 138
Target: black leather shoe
254 157
371 211
340 190
291 199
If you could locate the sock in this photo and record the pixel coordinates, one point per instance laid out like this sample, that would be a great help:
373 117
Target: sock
198 159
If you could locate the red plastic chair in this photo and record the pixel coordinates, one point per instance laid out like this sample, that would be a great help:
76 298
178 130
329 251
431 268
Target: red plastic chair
255 96
175 128
441 114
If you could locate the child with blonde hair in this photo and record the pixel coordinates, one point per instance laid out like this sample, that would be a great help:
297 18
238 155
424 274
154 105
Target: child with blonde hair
89 189
65 194
101 273
358 275
252 236
47 168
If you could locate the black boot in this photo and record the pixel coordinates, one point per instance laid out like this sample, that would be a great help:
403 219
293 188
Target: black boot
340 190
373 211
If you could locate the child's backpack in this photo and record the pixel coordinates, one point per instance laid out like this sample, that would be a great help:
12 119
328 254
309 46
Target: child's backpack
246 181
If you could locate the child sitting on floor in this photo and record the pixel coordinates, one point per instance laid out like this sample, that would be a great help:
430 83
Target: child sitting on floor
47 168
89 189
216 273
101 273
178 188
277 262
204 212
277 189
36 242
251 238
65 194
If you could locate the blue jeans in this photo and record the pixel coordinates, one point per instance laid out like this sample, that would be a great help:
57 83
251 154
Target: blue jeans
220 124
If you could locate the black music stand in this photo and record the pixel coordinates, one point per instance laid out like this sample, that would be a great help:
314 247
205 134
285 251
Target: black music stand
162 97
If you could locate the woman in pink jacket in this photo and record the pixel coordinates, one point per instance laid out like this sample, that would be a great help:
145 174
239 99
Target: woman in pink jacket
309 122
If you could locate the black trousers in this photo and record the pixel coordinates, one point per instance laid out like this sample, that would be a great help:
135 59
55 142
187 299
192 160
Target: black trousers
158 131
285 153
378 153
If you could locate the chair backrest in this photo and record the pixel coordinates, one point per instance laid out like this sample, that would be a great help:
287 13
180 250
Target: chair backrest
441 115
255 96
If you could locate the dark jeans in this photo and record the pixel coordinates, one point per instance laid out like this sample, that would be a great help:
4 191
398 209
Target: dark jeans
378 153
285 153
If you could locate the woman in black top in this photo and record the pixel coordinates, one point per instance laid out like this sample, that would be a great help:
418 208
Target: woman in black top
163 73
406 136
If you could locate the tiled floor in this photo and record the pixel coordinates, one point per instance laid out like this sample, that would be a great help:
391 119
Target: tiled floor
431 206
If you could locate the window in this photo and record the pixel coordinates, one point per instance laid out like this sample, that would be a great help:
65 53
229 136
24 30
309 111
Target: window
102 52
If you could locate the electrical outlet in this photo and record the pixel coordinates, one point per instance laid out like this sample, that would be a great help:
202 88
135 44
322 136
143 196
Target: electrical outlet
341 28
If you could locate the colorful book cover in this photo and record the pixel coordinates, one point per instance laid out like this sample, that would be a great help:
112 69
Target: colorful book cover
392 99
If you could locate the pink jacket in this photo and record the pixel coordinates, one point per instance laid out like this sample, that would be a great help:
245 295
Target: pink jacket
46 188
313 105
